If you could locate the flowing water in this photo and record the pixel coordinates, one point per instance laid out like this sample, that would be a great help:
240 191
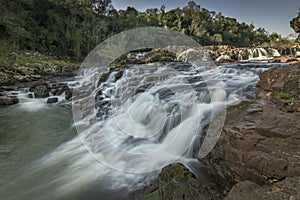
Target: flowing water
151 117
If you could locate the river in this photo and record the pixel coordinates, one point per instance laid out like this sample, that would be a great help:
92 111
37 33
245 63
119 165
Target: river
43 157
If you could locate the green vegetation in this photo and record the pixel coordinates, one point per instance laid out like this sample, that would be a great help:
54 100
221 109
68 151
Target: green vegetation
295 24
277 41
284 96
31 65
72 28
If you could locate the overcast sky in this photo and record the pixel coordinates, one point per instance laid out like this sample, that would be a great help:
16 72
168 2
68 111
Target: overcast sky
273 15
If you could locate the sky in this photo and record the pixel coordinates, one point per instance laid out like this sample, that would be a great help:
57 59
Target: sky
273 15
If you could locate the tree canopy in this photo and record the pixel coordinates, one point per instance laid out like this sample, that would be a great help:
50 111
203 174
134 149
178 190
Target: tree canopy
71 28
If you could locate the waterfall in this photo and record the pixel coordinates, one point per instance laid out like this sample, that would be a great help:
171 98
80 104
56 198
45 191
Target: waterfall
152 116
274 52
259 54
250 54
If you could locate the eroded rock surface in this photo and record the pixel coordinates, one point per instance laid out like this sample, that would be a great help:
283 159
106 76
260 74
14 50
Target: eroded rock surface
177 182
260 142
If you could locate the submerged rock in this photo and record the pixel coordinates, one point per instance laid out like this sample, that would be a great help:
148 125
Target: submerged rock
52 100
8 100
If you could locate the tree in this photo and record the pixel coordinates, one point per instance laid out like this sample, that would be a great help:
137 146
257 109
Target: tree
295 24
102 7
162 8
192 5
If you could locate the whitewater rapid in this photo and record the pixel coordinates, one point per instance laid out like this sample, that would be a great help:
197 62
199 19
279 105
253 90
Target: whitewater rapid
130 128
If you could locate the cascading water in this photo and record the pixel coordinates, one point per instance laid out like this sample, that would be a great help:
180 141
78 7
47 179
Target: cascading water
259 54
152 116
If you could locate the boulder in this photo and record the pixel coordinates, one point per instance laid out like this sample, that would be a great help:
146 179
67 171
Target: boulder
192 55
60 89
52 100
40 89
68 94
30 95
40 82
8 100
41 92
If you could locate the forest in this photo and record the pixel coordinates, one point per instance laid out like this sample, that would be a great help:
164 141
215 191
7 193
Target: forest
72 28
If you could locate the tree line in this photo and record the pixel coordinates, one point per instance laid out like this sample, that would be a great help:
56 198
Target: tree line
72 28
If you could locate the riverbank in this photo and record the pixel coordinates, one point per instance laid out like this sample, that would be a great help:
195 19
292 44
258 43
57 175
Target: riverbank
257 155
257 151
31 66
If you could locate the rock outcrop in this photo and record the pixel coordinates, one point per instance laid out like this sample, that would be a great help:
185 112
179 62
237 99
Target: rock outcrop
286 189
40 89
31 66
177 182
260 141
229 54
8 100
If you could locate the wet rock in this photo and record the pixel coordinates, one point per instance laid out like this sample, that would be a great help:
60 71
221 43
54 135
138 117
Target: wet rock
41 92
60 89
192 55
9 88
40 82
177 182
30 95
40 89
8 100
52 100
224 59
119 74
68 94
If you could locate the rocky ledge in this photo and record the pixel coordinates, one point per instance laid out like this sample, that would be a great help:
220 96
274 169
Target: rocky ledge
258 153
176 182
31 66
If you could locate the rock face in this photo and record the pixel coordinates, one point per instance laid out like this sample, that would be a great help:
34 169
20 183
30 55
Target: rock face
260 141
8 100
281 86
177 182
286 189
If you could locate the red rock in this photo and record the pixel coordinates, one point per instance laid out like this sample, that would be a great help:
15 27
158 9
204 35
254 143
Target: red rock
260 142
